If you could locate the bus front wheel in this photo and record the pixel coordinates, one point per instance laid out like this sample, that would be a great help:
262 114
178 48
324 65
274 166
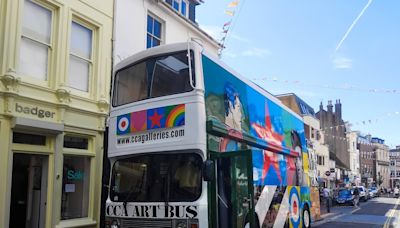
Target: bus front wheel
306 218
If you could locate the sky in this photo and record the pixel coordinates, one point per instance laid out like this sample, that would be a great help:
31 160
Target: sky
320 50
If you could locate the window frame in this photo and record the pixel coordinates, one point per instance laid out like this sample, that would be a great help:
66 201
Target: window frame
114 77
50 46
152 35
90 154
79 21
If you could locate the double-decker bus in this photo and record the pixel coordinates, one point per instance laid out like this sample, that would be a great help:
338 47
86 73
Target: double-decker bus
193 144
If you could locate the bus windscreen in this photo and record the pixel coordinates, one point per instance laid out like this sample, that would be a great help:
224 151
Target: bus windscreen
157 178
154 77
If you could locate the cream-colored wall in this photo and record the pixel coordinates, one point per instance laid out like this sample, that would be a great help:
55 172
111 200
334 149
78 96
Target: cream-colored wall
352 137
320 148
131 27
81 113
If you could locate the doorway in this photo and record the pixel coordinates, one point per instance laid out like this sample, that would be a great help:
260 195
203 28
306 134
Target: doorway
233 189
28 191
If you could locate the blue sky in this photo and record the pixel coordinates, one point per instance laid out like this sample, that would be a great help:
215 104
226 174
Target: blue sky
295 46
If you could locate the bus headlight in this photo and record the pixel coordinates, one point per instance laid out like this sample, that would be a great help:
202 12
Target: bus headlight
181 224
115 224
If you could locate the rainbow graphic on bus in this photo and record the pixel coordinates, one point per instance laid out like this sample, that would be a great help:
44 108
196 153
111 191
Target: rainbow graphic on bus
156 118
176 116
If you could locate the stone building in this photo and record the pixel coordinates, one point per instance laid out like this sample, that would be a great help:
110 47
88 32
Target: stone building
367 160
334 129
382 162
394 167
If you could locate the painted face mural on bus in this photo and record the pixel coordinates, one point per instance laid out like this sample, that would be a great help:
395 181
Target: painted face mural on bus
233 107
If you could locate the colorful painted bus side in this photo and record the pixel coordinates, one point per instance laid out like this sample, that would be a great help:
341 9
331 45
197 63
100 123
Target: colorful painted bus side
243 117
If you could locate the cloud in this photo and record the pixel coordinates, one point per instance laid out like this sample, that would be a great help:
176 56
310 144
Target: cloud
255 52
342 63
230 54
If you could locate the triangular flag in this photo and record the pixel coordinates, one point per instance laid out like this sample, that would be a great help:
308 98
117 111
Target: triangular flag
226 24
230 13
233 4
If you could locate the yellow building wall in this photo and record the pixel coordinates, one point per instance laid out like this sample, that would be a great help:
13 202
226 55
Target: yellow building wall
81 113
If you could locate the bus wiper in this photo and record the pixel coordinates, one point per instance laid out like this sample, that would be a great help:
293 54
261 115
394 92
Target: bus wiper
133 189
166 189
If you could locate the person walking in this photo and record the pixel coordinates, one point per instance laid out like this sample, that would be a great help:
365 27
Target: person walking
356 199
326 193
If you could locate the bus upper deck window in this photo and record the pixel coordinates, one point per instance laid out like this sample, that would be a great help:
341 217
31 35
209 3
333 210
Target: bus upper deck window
154 77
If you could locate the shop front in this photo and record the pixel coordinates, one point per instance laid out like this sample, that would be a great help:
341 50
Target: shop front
50 169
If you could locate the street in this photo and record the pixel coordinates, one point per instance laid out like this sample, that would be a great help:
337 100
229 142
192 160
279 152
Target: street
377 212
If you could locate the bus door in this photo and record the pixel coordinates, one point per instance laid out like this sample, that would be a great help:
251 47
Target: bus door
232 203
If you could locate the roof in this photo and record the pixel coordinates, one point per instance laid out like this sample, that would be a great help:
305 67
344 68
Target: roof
304 108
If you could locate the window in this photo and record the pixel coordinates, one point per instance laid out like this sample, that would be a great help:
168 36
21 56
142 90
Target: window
392 163
157 178
80 57
30 139
153 32
75 187
180 6
35 40
76 142
152 78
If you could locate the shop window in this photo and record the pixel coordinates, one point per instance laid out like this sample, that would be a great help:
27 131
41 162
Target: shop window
35 40
75 187
76 142
80 57
23 138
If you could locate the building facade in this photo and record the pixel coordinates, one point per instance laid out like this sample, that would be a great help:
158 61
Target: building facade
382 162
55 65
144 24
367 160
334 129
354 173
395 167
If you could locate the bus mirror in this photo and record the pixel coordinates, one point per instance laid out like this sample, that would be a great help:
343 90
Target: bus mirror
208 170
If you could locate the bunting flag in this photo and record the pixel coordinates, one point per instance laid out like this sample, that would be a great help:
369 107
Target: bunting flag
233 4
231 10
230 13
226 24
345 86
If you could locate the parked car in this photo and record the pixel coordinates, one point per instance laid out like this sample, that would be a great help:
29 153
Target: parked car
364 195
374 192
344 196
396 192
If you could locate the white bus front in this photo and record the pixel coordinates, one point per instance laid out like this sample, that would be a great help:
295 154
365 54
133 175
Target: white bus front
157 141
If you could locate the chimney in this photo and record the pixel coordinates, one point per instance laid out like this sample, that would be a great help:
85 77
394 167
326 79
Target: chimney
338 110
330 106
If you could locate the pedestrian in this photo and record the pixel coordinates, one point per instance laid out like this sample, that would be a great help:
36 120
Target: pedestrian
356 199
326 193
396 191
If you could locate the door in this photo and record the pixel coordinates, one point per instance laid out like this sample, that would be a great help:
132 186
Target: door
28 191
232 190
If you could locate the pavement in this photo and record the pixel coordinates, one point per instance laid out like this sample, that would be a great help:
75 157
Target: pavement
377 212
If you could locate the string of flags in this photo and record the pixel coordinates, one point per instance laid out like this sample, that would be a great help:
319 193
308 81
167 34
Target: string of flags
346 86
230 11
326 130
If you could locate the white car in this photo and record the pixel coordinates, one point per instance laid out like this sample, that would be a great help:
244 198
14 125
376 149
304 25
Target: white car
363 193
